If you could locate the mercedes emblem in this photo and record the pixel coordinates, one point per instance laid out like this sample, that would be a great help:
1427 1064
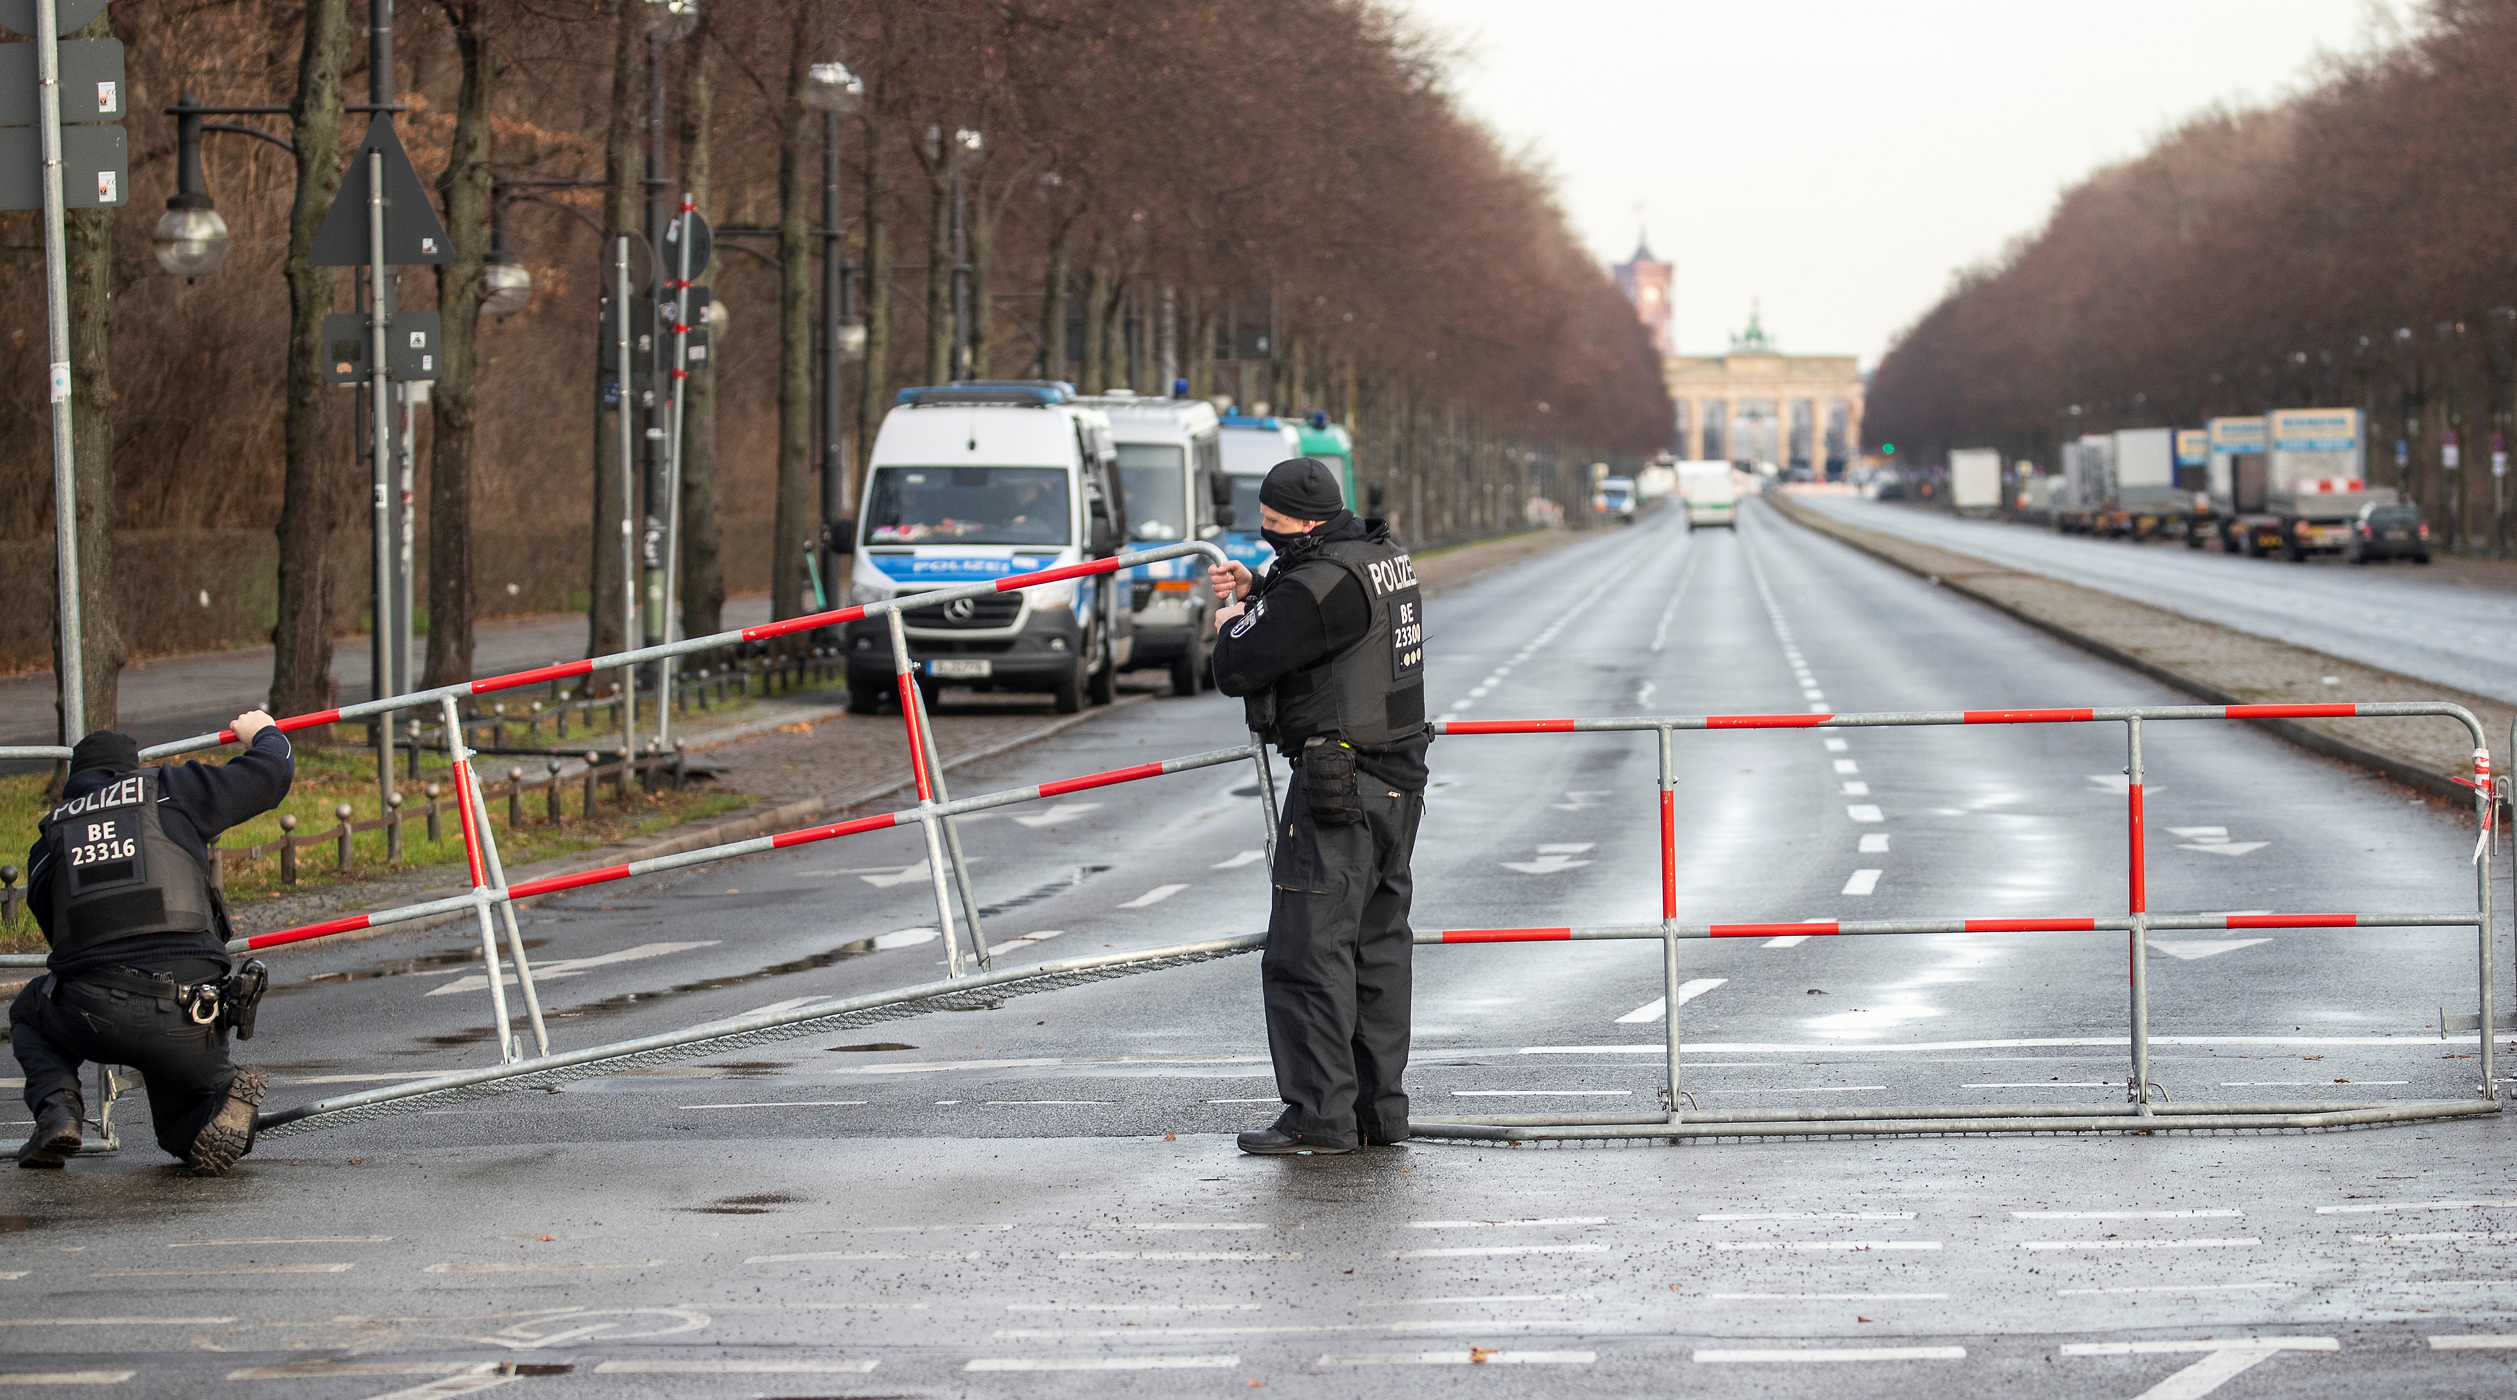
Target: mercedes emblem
962 609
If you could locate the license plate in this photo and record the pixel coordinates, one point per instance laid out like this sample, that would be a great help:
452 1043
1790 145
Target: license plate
960 668
2398 535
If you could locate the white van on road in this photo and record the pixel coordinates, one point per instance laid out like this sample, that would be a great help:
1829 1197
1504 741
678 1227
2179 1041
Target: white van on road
1169 456
973 482
1710 492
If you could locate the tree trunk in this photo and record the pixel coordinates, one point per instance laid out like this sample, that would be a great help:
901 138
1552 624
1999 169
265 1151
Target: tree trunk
939 261
301 660
1097 298
1055 289
624 211
874 375
1201 343
454 403
798 504
703 571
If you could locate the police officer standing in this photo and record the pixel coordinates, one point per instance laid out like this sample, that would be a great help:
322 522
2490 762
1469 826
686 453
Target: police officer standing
119 879
1327 652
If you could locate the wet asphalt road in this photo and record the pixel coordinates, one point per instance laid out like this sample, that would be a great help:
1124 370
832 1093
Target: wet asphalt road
2397 616
1044 1200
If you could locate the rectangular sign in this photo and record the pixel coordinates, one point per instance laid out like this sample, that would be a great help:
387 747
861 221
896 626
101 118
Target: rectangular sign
2313 429
92 85
96 168
2237 436
2193 447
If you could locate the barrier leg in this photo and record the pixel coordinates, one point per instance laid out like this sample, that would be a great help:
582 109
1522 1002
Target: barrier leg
461 757
2486 805
1669 918
1267 790
2139 944
515 935
952 833
913 715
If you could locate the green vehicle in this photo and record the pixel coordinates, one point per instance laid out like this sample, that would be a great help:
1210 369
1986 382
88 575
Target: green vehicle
1333 447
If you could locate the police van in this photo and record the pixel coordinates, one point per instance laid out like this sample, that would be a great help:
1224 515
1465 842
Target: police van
1169 458
1250 447
973 482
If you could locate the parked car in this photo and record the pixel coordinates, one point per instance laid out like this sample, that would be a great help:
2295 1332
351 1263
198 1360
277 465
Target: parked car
2388 531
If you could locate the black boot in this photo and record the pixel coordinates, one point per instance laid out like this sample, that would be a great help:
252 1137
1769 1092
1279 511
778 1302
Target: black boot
1276 1142
228 1136
56 1137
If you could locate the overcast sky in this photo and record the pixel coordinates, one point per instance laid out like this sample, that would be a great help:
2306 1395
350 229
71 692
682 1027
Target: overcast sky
1838 158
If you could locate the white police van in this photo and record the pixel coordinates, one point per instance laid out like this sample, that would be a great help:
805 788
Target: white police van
1250 447
1169 458
974 482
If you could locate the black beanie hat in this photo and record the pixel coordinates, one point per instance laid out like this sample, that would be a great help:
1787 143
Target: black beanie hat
1302 488
106 749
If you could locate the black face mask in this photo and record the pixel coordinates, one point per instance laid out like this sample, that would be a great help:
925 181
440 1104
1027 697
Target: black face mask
1283 542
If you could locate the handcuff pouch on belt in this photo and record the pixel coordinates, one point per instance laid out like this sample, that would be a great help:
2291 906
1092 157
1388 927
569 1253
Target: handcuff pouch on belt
240 996
1329 782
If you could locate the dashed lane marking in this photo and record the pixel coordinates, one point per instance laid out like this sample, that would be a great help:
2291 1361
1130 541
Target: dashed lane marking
1864 812
1763 1355
1131 1307
571 967
1154 896
1102 1363
1214 1256
1862 881
2440 1237
1238 861
1825 1297
1483 1298
1494 1224
2172 1288
2049 1245
1874 843
2189 949
1856 789
1055 813
225 1269
1822 1246
2119 1214
1789 940
65 1377
2415 1205
1658 1007
283 1239
1541 1093
781 1103
2048 1084
1471 1356
1727 1217
826 1256
113 1321
1846 765
2475 1341
1496 1251
527 1266
733 1368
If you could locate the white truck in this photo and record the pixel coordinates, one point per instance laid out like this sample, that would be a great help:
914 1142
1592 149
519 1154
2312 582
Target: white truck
2146 499
2233 481
2315 481
1711 494
1975 479
2087 498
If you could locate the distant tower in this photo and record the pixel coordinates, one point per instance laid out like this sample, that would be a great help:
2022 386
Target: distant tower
1645 281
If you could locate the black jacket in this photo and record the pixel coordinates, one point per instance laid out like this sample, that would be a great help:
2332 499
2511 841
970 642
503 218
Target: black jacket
196 802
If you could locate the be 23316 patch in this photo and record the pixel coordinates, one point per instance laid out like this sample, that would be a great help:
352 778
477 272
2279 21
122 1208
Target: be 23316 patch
1241 625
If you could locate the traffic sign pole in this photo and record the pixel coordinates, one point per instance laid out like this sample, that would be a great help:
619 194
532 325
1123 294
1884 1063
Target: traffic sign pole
65 506
380 422
671 603
629 500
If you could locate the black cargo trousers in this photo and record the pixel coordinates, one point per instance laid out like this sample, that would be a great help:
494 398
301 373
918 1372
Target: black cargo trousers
54 1028
1337 972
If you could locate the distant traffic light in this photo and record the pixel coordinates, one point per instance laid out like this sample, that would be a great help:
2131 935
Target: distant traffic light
1887 449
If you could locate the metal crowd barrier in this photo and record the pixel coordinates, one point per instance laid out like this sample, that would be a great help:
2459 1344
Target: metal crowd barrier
2143 1114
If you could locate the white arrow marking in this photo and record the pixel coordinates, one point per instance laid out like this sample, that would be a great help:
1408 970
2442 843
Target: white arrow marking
1238 861
1057 813
1566 848
902 876
2189 949
2201 833
1576 801
2120 785
2226 848
1156 895
1658 1007
570 967
1544 865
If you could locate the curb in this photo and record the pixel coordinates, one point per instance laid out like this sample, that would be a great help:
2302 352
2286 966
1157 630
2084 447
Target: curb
2326 745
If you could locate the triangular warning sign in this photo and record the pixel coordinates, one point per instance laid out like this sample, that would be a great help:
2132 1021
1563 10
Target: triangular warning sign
412 232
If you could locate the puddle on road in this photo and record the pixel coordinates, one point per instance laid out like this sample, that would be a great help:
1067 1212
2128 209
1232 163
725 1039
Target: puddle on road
746 1205
403 967
877 1045
854 948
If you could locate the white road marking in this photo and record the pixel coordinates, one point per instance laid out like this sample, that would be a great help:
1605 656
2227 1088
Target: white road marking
886 879
1874 843
326 1370
1103 1363
1238 861
522 1266
1485 1251
828 1255
1178 1256
1856 789
284 1239
2140 1244
1474 1356
2188 949
2173 1288
1492 1224
733 1368
1822 1089
1204 1225
2225 848
1132 1307
1759 1047
2302 1083
2474 1341
1566 848
1475 1298
2188 1346
1846 765
1658 1007
1820 708
1862 881
1042 936
1812 693
225 1269
1046 1103
783 1103
1548 863
113 1321
777 1006
1541 1093
1837 746
65 1377
2224 1361
1269 1099
1055 813
571 967
1578 801
1643 693
1821 1246
1824 1297
1789 940
1864 812
1772 1354
2416 1205
1728 1216
2048 1084
2440 1237
1154 896
2124 1214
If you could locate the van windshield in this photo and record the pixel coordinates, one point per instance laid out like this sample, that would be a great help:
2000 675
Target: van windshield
969 505
1157 499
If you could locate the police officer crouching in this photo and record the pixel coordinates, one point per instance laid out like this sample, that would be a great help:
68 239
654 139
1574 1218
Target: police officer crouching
1329 657
119 879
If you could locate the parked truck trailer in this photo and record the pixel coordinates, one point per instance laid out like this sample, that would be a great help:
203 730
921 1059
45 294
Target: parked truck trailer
1975 479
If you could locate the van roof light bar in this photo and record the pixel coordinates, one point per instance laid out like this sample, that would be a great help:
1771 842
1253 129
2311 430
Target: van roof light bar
1235 420
1028 393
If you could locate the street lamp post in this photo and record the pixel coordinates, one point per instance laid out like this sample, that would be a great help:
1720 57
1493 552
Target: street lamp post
968 147
836 93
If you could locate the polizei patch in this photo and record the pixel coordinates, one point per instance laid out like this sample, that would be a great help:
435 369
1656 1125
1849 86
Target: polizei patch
98 835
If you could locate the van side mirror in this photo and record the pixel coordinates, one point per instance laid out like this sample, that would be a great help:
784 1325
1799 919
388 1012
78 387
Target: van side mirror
839 536
1219 492
1104 538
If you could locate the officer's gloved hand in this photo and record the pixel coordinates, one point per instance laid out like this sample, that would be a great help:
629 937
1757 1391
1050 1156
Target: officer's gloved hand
250 723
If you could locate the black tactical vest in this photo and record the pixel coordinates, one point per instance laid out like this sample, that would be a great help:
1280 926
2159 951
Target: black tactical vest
116 873
1373 692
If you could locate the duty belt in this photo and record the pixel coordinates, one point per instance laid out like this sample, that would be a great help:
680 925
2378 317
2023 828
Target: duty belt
199 1001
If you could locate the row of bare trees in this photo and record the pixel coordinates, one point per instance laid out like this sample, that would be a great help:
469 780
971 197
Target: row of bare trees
1152 184
2354 246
